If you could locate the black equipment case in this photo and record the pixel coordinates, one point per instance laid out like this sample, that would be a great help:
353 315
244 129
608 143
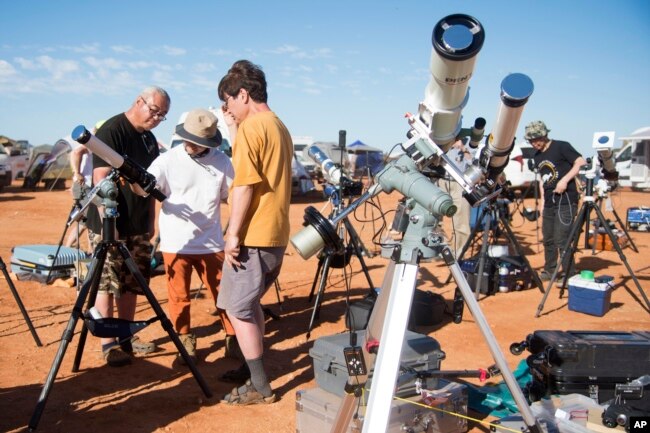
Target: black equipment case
590 363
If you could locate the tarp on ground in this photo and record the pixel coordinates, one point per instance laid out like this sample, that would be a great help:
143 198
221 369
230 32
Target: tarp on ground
365 159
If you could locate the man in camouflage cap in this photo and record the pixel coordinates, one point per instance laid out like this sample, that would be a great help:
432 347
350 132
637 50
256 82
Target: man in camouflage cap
558 163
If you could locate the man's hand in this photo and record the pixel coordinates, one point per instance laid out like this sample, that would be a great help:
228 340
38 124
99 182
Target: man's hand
231 250
560 187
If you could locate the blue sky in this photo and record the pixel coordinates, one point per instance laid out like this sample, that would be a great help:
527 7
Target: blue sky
331 65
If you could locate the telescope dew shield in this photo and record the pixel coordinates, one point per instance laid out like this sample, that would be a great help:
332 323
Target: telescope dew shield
456 39
81 135
515 90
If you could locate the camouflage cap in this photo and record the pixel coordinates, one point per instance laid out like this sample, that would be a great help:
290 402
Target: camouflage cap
536 129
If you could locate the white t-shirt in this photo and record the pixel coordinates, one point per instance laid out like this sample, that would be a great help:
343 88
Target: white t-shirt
190 217
86 166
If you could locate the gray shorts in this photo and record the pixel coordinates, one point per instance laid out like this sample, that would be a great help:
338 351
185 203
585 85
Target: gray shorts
242 288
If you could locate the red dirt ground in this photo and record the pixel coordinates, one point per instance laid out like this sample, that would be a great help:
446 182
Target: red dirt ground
155 395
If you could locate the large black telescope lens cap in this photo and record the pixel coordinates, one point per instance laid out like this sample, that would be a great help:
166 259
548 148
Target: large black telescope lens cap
324 228
516 89
458 37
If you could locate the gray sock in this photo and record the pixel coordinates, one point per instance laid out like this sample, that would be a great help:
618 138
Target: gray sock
258 376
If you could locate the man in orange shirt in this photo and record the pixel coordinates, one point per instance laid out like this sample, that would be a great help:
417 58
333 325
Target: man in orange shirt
258 229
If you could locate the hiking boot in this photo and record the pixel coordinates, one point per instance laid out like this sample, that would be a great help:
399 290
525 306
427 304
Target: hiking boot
142 347
232 348
116 357
189 343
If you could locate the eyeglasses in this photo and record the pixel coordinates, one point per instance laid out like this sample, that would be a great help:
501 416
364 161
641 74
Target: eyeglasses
154 111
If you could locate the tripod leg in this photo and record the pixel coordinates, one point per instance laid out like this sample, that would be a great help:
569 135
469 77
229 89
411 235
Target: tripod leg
618 249
517 246
355 240
277 293
483 254
164 320
319 294
569 248
469 242
629 238
319 268
497 354
14 292
66 338
392 336
95 276
58 248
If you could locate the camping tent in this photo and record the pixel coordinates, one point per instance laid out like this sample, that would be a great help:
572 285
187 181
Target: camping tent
365 159
49 164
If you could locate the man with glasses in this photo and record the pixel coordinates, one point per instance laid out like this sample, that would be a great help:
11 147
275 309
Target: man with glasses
558 164
258 230
129 134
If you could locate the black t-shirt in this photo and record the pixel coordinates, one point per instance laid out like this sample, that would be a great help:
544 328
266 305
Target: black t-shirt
553 164
120 135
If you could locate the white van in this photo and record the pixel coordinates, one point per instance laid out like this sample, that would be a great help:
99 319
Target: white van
633 160
301 142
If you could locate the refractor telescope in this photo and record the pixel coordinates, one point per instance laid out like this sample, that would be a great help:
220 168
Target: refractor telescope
128 168
457 40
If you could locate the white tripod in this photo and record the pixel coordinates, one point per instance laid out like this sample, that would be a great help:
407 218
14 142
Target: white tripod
387 325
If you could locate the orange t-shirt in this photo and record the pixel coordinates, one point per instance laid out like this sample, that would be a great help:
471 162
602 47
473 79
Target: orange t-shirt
261 158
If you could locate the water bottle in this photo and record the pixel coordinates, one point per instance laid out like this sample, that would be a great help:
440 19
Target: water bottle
504 272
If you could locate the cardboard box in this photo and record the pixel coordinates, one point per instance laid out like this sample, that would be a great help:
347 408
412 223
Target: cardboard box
588 296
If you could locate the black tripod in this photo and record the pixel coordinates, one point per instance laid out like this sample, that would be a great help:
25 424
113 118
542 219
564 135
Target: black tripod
108 327
599 201
338 256
567 260
493 219
14 292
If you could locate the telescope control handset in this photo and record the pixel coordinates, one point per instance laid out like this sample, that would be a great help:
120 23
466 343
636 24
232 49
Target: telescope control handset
128 168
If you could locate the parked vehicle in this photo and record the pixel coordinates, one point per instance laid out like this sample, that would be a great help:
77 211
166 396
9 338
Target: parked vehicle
633 160
5 168
299 144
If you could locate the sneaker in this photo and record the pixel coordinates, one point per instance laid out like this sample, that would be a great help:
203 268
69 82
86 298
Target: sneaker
232 348
142 347
189 343
116 357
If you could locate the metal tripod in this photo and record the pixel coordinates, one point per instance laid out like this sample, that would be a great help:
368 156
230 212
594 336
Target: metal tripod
89 291
567 259
325 260
599 202
387 326
488 218
14 292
